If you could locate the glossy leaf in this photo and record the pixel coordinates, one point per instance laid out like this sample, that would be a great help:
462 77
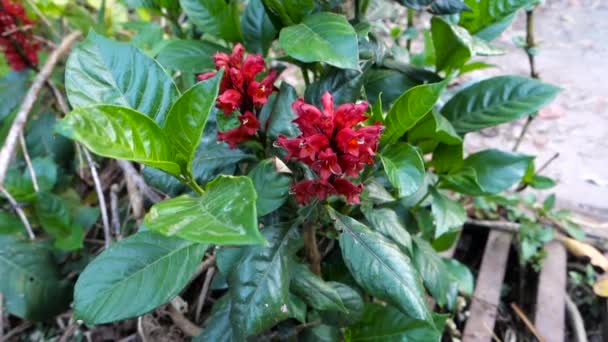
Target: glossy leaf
434 128
388 82
496 100
258 30
41 141
271 186
461 275
297 308
290 11
13 87
386 222
224 214
488 18
432 270
217 17
218 328
448 214
488 172
187 118
404 168
409 108
381 268
322 37
101 70
317 293
454 46
352 302
344 85
259 285
31 281
189 55
134 276
387 324
276 116
55 218
121 133
376 193
10 224
448 7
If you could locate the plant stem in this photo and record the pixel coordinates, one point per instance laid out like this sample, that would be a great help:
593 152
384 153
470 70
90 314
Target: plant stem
191 182
530 43
306 76
410 25
311 249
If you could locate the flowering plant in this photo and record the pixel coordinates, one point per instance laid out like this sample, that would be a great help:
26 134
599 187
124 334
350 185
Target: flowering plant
319 202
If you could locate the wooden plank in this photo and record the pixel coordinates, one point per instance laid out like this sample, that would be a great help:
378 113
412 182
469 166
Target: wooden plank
480 325
550 300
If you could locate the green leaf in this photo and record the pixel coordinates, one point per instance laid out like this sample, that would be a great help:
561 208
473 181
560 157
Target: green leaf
488 172
343 85
434 128
415 4
488 18
290 11
387 324
101 70
448 7
259 285
376 193
496 100
31 281
409 108
46 173
258 30
271 186
404 167
322 37
297 308
55 218
276 116
224 214
13 87
388 82
217 17
454 46
321 333
187 118
120 133
317 293
447 158
134 276
461 275
447 213
218 328
380 267
42 142
10 224
189 55
541 182
352 302
386 222
432 270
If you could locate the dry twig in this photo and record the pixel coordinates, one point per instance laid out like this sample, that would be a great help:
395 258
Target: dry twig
182 322
8 150
576 320
28 162
527 322
114 190
203 295
19 211
131 175
101 198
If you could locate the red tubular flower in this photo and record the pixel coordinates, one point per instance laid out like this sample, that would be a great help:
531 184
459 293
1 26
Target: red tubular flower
334 145
306 190
348 189
249 125
239 89
19 46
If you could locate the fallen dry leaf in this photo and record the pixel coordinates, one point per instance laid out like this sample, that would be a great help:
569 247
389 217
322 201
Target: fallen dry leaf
580 249
601 286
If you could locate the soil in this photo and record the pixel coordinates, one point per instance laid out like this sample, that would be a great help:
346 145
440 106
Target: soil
572 54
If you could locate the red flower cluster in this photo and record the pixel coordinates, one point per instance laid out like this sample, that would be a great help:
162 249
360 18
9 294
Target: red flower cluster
20 49
333 145
240 91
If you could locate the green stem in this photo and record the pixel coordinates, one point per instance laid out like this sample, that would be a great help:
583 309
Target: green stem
305 75
410 24
417 205
191 182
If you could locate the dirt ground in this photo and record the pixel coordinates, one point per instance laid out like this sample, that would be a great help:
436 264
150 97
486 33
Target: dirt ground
573 54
